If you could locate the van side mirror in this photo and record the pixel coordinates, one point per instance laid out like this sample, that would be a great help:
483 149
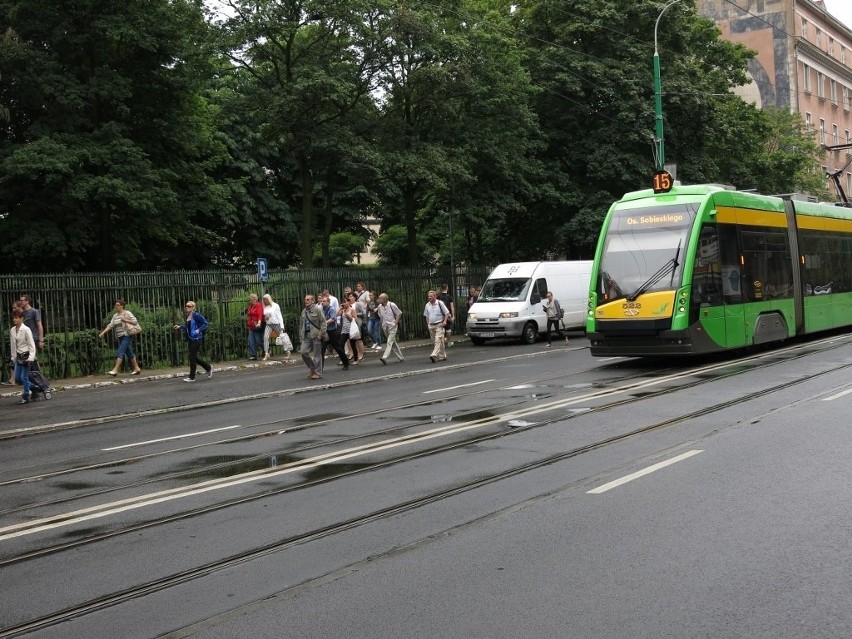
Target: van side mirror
535 298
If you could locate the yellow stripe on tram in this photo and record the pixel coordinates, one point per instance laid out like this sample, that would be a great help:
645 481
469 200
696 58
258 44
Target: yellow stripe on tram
750 217
656 305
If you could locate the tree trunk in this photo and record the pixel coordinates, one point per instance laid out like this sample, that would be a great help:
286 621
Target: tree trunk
307 213
328 219
411 225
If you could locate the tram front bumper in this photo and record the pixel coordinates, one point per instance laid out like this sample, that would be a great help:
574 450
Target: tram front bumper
657 344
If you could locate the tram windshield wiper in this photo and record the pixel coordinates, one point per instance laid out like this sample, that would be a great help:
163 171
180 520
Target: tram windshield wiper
670 265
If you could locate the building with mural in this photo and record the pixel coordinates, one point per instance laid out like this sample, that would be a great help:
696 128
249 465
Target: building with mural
803 62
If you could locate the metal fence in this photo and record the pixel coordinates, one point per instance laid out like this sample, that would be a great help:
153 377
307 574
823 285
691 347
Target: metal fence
75 307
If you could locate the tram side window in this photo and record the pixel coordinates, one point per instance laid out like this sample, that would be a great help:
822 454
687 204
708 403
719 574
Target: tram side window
816 273
733 284
767 266
828 263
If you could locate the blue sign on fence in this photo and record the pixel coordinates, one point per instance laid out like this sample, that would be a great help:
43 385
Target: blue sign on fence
262 269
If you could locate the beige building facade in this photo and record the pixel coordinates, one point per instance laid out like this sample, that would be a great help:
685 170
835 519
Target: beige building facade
803 62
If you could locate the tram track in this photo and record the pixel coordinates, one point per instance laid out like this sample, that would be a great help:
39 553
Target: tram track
222 469
283 426
249 555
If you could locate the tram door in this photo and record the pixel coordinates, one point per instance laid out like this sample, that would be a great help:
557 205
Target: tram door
717 285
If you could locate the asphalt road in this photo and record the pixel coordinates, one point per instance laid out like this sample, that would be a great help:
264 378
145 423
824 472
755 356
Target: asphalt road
510 491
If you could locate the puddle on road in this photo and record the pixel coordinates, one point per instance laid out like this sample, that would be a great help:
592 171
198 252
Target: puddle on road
323 417
230 465
84 532
327 471
74 485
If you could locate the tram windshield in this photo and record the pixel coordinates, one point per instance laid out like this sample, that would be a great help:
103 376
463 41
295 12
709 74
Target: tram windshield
644 250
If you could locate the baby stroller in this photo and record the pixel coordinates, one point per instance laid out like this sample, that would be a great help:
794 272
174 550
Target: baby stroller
38 384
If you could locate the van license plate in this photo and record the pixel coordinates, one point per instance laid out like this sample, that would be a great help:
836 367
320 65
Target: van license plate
486 335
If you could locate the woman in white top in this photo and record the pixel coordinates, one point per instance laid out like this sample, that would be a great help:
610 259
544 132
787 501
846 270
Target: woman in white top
274 322
23 349
350 328
121 319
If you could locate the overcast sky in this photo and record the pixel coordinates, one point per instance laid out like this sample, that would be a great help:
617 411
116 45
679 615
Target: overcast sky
840 9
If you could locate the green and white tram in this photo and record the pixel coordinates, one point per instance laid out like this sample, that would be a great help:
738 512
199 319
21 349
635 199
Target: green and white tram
700 269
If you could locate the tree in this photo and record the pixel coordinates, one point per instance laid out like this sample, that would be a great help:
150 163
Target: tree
392 246
311 63
104 162
342 248
259 218
774 151
459 130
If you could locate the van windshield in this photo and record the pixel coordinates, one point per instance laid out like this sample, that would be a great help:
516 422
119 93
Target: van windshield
509 289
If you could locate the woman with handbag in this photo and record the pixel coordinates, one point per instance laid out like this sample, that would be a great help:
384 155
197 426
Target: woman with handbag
554 316
274 323
193 330
124 325
23 349
351 328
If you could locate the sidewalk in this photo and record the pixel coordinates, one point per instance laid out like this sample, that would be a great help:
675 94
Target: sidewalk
101 380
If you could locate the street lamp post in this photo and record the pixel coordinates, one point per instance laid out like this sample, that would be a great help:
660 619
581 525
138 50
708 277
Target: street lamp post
452 263
658 97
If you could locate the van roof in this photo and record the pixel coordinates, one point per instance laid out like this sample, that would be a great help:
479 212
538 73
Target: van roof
527 269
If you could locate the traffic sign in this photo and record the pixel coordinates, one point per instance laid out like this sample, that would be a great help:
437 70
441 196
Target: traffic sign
262 269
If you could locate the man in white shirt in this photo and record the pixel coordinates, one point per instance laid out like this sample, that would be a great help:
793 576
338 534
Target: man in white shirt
390 315
436 315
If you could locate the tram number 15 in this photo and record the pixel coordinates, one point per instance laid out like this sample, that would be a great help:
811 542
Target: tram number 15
663 182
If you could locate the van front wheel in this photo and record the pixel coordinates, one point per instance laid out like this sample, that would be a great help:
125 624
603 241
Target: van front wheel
530 333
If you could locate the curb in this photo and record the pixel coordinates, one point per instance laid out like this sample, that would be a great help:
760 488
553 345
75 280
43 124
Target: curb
60 387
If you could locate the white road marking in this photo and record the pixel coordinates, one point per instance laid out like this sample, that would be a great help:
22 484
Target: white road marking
836 395
642 473
449 388
168 439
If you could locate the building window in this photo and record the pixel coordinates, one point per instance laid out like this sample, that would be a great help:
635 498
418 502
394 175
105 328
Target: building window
834 134
806 75
833 91
821 131
831 47
804 29
845 98
848 183
819 38
847 138
809 122
842 54
820 85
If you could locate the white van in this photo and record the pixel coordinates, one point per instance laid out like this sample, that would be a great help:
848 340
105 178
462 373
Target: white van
510 302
